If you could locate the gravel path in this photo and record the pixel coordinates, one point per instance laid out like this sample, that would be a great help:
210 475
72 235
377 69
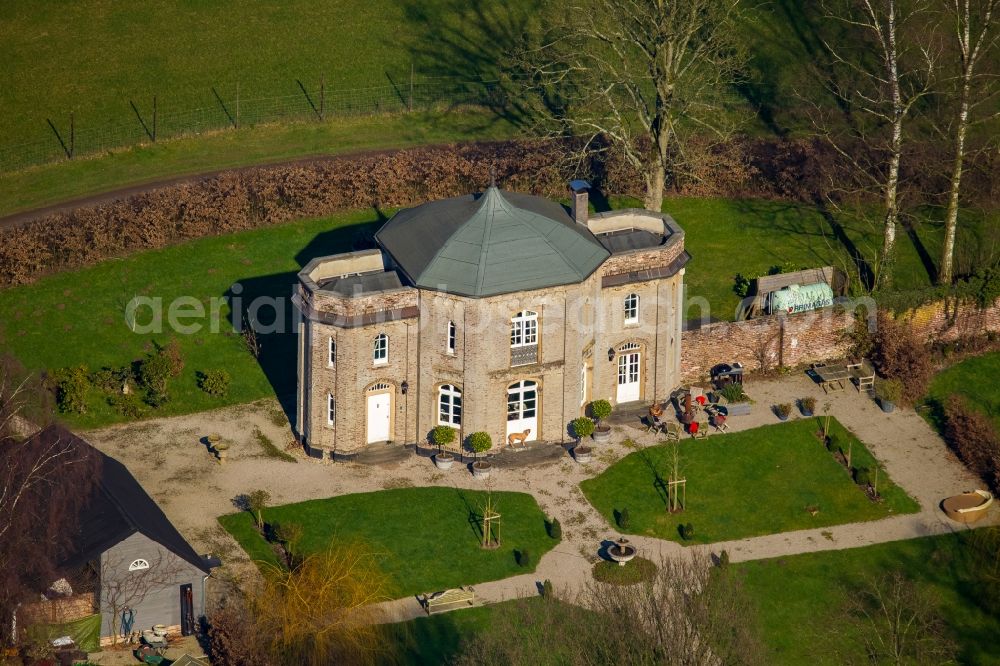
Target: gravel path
178 471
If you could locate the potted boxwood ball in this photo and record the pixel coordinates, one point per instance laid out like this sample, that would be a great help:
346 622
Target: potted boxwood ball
479 443
442 436
600 410
807 406
582 427
888 392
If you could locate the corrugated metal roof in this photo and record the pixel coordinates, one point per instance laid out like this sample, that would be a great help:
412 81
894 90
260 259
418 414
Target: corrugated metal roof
492 243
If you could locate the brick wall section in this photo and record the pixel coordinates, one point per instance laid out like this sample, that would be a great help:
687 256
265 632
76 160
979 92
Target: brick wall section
815 336
57 611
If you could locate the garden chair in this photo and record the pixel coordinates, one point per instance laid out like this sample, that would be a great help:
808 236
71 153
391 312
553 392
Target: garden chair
864 375
673 432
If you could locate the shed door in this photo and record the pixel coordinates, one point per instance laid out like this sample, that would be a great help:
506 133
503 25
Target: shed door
187 610
378 417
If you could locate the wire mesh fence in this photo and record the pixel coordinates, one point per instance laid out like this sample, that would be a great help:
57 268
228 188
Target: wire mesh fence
154 121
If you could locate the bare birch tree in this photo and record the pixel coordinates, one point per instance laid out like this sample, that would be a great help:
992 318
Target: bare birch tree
641 76
887 65
976 38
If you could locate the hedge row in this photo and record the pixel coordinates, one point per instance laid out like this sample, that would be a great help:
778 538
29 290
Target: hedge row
237 200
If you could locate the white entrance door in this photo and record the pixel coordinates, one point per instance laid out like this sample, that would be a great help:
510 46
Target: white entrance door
378 417
522 409
628 377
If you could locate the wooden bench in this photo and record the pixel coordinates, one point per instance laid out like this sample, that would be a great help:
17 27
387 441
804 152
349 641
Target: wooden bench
446 600
864 375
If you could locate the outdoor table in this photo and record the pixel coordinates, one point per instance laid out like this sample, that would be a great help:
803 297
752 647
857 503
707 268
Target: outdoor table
831 377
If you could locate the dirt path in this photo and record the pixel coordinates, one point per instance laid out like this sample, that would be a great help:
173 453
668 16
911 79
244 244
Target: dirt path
21 218
168 460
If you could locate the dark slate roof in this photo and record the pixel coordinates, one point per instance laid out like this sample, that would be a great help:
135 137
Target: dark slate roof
118 508
490 243
631 239
362 284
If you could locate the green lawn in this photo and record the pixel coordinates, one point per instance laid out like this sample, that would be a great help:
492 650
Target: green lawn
85 632
799 598
975 379
427 538
60 181
744 484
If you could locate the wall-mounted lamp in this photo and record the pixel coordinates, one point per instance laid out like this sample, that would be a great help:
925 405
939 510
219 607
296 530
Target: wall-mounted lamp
611 354
404 387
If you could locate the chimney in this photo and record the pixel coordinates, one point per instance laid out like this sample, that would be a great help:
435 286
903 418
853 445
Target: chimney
580 201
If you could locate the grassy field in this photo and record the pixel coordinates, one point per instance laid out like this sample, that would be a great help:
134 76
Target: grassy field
427 538
85 632
86 307
744 484
60 181
800 598
975 379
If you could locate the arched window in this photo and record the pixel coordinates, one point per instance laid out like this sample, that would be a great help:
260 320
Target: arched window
450 341
138 565
449 405
380 350
632 309
524 329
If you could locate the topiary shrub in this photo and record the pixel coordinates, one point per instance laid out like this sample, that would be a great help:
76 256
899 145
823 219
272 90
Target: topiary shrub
600 410
623 519
547 591
443 435
554 528
724 558
833 444
71 385
582 427
214 382
479 442
862 476
687 532
523 557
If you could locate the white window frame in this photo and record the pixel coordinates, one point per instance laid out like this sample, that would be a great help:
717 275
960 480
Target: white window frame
451 337
331 409
632 309
331 358
380 349
450 410
583 384
524 329
138 565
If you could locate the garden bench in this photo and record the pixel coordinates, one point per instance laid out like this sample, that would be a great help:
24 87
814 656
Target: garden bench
864 375
446 600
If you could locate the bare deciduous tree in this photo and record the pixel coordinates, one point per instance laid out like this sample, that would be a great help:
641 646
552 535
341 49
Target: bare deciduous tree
976 38
641 76
121 587
691 613
885 64
899 625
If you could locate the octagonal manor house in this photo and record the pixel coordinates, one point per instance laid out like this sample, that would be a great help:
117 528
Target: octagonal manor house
496 311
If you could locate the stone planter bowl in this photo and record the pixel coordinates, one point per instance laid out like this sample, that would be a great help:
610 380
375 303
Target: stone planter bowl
582 454
602 433
886 405
481 469
444 460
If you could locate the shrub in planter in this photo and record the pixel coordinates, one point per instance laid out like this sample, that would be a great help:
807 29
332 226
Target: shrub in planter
479 442
582 427
443 435
214 382
623 519
554 528
600 410
734 393
807 406
783 410
889 392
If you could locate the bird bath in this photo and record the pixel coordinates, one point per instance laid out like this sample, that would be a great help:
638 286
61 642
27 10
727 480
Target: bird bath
621 551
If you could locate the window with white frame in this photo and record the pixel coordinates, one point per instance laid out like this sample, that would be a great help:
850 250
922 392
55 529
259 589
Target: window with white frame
138 565
450 341
332 352
632 309
331 409
524 329
449 406
380 350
